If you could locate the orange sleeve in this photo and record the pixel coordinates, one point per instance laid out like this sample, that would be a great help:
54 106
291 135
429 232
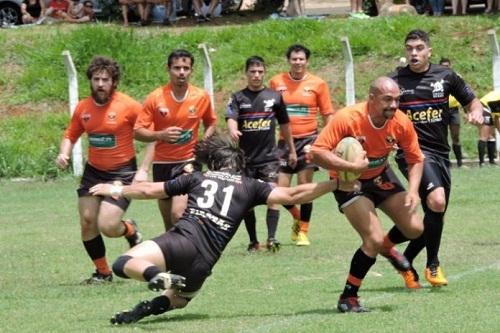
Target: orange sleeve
332 133
75 128
145 115
324 100
410 145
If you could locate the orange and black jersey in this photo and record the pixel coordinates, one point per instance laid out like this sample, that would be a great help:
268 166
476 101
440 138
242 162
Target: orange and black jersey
109 128
161 110
217 202
377 142
256 113
424 99
304 99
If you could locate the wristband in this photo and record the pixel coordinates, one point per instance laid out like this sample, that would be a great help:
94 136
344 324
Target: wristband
116 190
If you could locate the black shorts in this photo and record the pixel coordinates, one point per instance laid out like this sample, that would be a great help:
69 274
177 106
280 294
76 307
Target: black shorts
267 172
183 258
454 116
376 189
436 174
92 176
302 163
167 171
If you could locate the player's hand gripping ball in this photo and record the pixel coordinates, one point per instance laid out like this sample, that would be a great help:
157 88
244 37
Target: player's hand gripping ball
348 149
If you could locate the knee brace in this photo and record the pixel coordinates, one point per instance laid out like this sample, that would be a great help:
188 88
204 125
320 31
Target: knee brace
119 265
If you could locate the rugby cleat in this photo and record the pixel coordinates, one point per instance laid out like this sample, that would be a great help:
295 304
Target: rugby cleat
411 279
163 281
397 259
141 310
350 304
136 237
302 239
295 229
273 245
435 276
98 278
253 247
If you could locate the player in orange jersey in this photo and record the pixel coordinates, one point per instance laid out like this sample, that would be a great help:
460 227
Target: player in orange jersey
171 116
305 95
108 117
379 127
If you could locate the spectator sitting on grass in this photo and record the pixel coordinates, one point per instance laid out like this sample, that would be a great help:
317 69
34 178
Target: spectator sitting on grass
58 9
32 10
81 12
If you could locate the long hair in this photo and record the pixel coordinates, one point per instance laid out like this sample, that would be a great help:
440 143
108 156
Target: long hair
219 151
100 63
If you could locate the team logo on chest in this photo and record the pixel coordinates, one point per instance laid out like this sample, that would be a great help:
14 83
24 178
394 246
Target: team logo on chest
192 112
308 91
268 105
111 117
438 89
86 117
163 111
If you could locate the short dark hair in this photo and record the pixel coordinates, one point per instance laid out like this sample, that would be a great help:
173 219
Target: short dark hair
88 2
219 151
254 61
298 48
443 60
418 34
179 53
101 63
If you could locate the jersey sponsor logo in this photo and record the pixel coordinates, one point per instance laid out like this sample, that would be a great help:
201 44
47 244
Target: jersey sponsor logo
222 224
256 125
86 117
102 140
376 162
185 137
438 88
268 104
297 110
163 111
404 91
245 106
426 116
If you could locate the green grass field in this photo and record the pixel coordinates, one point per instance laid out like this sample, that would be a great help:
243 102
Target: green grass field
295 290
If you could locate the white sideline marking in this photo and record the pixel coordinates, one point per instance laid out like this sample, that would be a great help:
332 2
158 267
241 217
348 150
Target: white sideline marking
298 317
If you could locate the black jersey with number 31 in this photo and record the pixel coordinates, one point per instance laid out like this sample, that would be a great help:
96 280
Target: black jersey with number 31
424 99
217 202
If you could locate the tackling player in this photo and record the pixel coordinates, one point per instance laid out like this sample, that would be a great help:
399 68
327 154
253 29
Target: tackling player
171 117
218 199
251 119
305 95
108 117
379 126
425 90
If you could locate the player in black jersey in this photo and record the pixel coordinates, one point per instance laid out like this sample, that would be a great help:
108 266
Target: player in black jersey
425 89
251 119
179 261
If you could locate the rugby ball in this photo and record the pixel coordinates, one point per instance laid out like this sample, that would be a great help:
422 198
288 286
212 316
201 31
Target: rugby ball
348 149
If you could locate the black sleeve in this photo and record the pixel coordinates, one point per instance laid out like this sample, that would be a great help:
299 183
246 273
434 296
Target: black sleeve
261 191
459 89
232 109
179 185
280 111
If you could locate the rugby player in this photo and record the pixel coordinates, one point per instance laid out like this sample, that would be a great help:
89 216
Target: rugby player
171 117
379 127
218 200
305 95
108 117
251 119
425 90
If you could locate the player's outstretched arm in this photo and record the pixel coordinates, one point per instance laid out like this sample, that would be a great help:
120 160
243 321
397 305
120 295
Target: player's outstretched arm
308 192
145 190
